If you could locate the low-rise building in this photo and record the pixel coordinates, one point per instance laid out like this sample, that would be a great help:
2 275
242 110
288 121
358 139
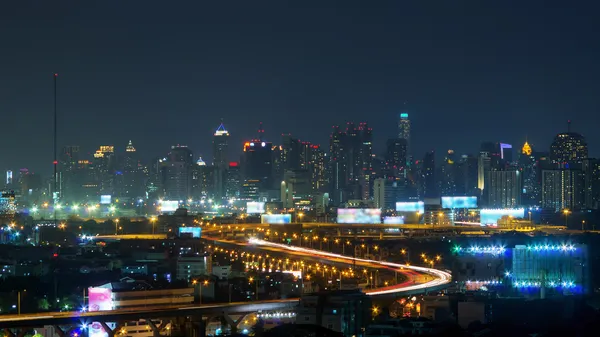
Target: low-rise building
345 311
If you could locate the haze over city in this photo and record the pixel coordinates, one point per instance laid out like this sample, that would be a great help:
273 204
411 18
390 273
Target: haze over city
163 75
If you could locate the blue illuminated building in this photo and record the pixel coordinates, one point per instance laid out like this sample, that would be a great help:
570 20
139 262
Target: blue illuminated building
540 269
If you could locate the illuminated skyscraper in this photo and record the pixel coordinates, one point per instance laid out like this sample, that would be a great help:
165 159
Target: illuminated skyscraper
591 170
360 160
9 178
220 146
448 173
563 189
396 157
428 182
257 164
404 129
131 176
568 148
338 165
178 173
503 189
529 168
220 160
105 164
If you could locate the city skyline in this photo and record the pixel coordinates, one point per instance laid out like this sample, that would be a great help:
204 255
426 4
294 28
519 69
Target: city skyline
513 77
235 149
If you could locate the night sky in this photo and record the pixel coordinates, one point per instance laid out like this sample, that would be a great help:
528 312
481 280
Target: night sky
161 73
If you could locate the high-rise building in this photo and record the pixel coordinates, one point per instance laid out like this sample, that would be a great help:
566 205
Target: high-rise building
528 166
105 165
220 160
404 130
563 189
448 175
386 192
466 176
178 173
233 181
220 147
591 170
503 189
351 162
396 158
360 159
257 164
9 178
428 182
338 165
568 148
132 175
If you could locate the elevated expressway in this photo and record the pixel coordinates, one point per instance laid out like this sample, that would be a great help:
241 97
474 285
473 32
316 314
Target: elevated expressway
83 319
414 283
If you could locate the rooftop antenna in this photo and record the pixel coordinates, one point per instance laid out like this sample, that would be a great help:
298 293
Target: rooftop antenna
569 125
55 192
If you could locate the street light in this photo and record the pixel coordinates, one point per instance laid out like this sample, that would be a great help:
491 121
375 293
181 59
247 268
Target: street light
116 226
153 221
566 213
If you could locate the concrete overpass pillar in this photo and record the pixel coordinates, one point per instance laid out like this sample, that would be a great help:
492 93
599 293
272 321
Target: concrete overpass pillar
156 329
232 324
110 332
63 333
198 327
16 333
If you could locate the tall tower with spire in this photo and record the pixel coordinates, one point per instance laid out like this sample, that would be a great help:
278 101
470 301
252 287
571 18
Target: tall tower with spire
220 147
404 132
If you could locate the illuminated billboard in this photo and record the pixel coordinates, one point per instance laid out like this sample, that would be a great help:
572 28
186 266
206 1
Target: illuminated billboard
410 206
459 202
169 205
194 232
275 218
359 215
105 199
491 216
393 220
253 207
99 299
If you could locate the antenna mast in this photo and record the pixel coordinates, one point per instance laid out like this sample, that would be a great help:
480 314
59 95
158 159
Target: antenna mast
55 189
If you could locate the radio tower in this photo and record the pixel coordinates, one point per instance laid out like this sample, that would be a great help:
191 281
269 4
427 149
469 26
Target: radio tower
55 192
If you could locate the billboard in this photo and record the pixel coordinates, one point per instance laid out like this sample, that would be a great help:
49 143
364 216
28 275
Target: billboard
195 232
491 216
410 206
359 215
275 218
393 220
459 202
169 205
100 299
253 207
105 199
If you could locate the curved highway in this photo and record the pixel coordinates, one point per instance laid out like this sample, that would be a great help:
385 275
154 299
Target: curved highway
411 285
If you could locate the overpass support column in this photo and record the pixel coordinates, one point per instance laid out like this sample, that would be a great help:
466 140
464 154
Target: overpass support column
16 333
110 332
156 329
60 332
198 326
232 324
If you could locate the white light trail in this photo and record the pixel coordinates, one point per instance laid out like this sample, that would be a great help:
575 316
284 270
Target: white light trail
441 277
